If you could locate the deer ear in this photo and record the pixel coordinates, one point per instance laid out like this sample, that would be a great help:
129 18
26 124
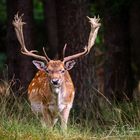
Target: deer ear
69 65
39 65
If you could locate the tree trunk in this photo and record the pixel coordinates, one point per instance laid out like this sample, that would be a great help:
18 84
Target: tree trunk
73 29
19 64
135 39
51 27
12 44
26 66
118 76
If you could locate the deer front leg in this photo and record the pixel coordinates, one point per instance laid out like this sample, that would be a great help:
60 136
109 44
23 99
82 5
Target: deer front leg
64 115
48 118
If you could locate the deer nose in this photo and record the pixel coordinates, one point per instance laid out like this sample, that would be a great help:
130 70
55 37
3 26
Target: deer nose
55 81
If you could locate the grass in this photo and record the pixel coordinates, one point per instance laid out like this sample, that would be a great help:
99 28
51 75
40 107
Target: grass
17 122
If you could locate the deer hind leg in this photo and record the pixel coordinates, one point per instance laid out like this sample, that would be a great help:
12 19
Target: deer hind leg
64 115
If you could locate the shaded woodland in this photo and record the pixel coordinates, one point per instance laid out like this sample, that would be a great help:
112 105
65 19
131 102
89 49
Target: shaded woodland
112 68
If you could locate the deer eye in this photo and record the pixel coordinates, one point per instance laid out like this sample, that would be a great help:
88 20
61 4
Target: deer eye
62 71
47 71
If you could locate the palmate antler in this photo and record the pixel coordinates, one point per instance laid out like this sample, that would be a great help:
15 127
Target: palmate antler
18 25
95 25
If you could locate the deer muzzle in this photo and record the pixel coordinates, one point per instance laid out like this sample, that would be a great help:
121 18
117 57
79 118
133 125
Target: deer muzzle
56 82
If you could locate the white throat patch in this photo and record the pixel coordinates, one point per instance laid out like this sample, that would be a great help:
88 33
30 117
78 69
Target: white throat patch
57 90
59 93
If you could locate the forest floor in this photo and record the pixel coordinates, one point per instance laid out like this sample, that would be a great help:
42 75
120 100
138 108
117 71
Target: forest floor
17 122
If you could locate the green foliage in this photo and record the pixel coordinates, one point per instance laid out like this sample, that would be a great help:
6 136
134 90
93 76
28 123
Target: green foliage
38 9
3 10
93 9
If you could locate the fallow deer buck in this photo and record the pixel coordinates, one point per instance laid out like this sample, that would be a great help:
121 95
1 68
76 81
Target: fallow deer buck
51 92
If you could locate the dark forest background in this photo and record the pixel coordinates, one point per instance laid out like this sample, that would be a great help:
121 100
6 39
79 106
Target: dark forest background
111 69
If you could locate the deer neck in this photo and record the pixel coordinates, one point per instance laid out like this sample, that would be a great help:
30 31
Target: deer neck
59 93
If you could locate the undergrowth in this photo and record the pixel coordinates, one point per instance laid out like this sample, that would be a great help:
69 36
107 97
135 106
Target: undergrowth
17 122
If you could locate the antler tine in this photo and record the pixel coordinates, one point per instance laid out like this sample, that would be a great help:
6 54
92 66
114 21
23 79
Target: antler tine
46 54
72 57
18 25
64 50
95 25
